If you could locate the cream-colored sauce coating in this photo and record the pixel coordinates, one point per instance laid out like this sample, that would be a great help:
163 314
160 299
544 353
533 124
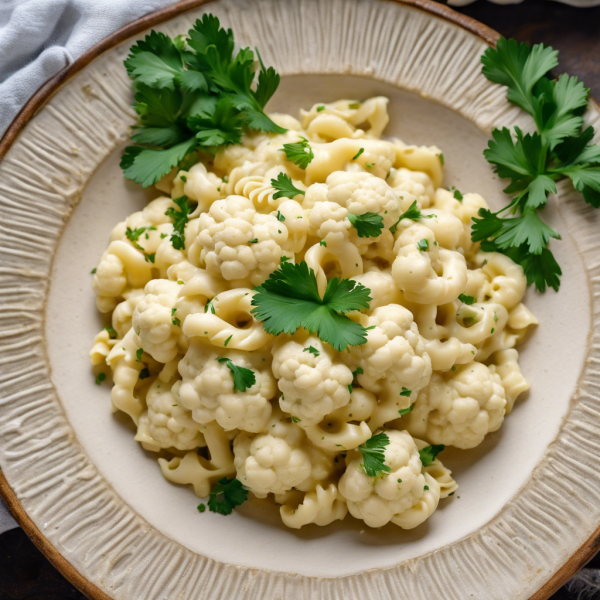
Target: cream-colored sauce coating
456 360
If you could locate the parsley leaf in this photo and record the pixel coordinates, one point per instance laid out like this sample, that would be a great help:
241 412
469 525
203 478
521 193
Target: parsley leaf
368 224
285 189
429 454
112 334
413 213
149 165
155 61
405 411
534 162
405 392
289 299
100 378
358 154
300 153
466 299
312 350
226 495
180 218
192 94
423 245
374 456
242 378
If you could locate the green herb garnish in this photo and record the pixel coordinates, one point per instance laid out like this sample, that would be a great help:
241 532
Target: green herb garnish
289 299
192 94
242 378
368 224
285 189
374 456
226 495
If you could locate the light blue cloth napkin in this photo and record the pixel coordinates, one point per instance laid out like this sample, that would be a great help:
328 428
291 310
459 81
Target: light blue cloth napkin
40 37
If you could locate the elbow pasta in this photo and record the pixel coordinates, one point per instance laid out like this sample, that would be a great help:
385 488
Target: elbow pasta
439 366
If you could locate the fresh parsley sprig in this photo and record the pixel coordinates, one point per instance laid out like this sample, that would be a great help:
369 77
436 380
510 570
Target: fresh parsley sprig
534 162
226 495
429 453
180 218
242 378
300 153
413 213
285 189
368 224
192 94
289 299
374 456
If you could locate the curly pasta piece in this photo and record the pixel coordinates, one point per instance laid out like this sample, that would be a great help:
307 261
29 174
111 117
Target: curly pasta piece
506 365
346 427
343 155
338 260
420 158
126 372
232 324
198 471
464 209
498 280
321 507
342 119
101 348
122 317
197 184
383 288
426 273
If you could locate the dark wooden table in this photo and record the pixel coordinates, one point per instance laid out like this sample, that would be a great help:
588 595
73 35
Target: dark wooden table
26 575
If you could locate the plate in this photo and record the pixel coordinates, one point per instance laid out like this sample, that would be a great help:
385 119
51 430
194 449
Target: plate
528 509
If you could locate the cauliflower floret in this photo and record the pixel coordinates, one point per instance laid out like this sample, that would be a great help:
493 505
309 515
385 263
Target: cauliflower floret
197 184
238 243
156 327
166 424
361 192
208 389
459 408
279 460
383 499
123 314
416 183
357 193
313 384
393 359
327 220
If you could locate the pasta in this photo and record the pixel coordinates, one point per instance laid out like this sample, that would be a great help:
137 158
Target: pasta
439 365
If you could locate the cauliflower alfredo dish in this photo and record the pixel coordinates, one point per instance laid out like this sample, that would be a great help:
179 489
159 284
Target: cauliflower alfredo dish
301 313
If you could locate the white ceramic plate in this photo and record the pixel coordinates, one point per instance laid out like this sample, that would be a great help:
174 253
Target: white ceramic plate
529 497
